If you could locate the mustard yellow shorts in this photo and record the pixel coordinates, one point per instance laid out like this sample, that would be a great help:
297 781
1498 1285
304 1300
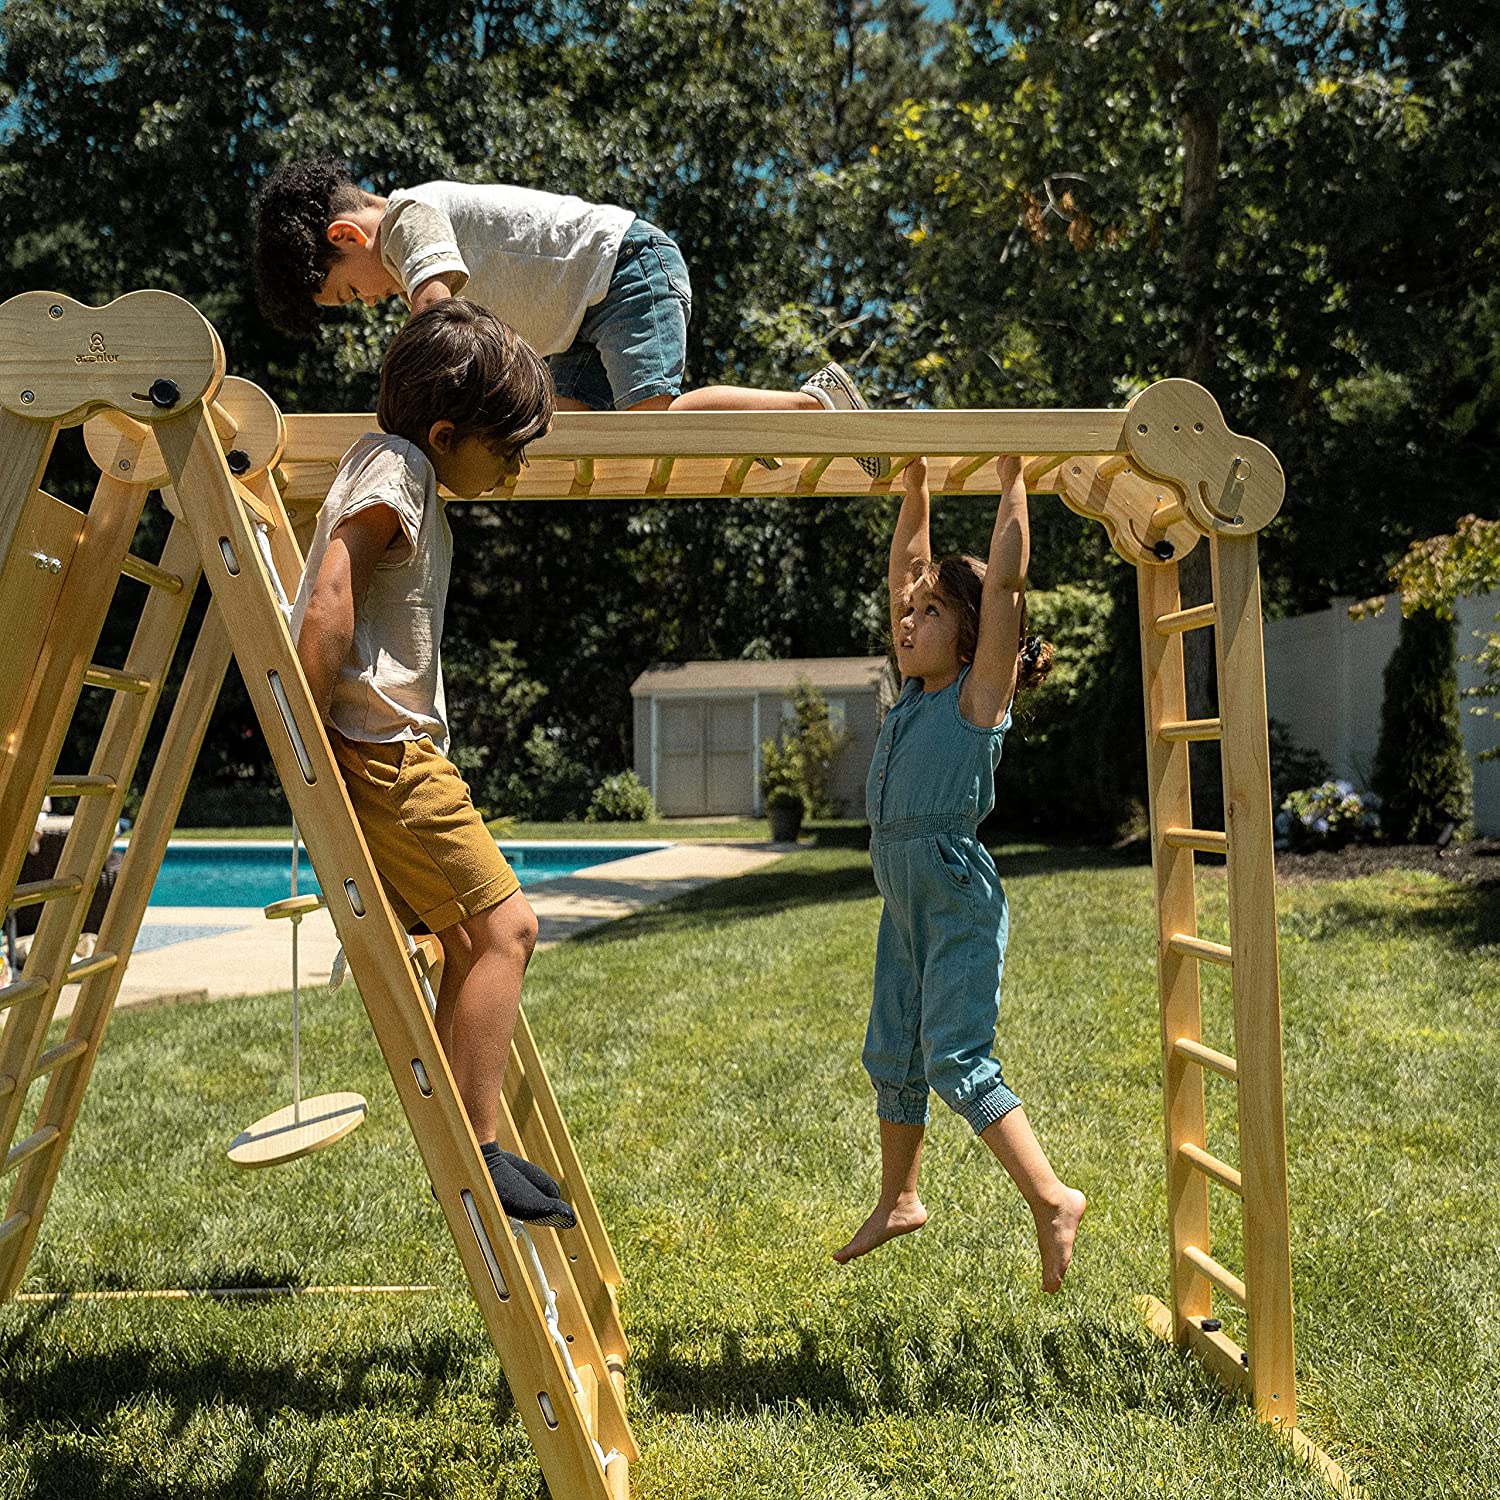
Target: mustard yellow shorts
436 859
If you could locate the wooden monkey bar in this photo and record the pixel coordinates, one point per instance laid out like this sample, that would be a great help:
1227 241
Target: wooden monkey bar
146 378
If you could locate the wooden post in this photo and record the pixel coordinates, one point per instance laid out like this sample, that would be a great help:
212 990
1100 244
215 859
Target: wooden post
1254 976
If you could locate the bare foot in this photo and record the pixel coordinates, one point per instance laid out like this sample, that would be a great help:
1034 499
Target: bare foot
1056 1227
905 1215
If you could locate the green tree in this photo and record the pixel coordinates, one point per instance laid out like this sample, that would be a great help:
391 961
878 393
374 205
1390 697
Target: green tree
1421 772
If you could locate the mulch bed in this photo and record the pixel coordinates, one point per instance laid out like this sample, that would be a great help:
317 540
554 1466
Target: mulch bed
1476 862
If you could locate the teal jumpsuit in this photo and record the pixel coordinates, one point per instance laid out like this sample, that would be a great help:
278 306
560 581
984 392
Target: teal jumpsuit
941 945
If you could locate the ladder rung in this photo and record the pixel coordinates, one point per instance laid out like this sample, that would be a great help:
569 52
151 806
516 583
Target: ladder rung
1200 948
118 682
96 964
80 786
22 989
53 1057
1204 840
34 892
1208 1267
13 1226
1189 729
1211 1166
1187 619
148 573
1207 1057
38 1140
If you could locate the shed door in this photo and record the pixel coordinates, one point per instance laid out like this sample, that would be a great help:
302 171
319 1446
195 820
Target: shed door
731 757
705 761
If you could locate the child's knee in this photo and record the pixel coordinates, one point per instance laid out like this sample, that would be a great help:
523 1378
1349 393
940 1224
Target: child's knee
509 928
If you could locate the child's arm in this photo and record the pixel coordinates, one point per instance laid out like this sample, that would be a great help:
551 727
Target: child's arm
432 291
327 632
911 550
991 683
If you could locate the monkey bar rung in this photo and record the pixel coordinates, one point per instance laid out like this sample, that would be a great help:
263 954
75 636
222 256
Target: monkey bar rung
1203 840
1187 946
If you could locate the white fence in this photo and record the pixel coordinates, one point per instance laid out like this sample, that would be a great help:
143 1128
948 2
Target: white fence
1324 681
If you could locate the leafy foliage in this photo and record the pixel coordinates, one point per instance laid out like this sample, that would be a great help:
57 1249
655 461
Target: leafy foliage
1027 205
797 767
1327 816
622 798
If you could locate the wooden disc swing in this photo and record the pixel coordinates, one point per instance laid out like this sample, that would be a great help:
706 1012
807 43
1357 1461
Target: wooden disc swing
304 1125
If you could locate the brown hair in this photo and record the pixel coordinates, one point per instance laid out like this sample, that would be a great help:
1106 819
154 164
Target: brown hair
459 363
958 580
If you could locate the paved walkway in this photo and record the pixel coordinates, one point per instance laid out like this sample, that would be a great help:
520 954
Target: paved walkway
187 953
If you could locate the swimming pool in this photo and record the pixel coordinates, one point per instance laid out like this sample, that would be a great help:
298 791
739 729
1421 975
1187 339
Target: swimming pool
253 872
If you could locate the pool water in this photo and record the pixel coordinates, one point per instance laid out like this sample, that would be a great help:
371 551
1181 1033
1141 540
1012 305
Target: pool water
252 873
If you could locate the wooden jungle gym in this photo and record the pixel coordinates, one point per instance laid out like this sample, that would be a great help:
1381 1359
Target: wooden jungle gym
145 376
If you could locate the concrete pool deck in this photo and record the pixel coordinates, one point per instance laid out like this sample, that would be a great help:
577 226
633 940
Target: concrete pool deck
193 953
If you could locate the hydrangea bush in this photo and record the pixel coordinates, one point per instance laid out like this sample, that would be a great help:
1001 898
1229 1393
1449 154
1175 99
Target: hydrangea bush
1327 817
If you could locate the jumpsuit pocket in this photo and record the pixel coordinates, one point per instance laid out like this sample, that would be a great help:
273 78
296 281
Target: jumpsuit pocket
951 863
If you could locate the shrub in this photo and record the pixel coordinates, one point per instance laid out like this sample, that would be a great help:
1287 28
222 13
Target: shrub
1327 817
801 765
1421 772
1074 757
1293 768
623 798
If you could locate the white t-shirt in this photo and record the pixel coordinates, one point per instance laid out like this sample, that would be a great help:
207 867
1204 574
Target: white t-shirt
391 686
538 261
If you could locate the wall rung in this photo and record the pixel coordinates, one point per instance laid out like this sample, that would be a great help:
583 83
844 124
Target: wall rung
13 1226
1211 1166
116 682
1207 1057
95 964
1211 1270
1201 948
1204 840
148 573
34 892
38 1140
22 989
80 786
1187 619
1190 729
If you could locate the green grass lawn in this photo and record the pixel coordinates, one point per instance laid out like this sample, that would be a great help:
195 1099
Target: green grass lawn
707 1054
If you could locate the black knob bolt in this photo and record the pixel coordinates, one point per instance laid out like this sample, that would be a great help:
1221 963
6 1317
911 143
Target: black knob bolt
164 393
1210 1325
238 461
1164 550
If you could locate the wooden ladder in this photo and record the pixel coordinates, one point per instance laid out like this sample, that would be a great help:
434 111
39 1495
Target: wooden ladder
151 368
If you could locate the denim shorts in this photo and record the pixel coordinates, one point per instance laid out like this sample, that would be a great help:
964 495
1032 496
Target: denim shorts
632 345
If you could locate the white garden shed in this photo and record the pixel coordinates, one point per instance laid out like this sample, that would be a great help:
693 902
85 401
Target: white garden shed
699 726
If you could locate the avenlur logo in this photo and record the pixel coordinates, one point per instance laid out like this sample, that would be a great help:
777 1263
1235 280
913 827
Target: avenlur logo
98 354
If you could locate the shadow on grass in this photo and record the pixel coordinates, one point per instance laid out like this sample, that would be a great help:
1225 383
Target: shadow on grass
757 894
779 888
881 1370
86 1388
1460 917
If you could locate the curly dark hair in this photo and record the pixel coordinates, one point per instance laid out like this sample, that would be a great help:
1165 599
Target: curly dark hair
458 362
959 580
289 218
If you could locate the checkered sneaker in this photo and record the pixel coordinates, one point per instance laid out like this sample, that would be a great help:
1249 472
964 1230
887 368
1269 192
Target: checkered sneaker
832 387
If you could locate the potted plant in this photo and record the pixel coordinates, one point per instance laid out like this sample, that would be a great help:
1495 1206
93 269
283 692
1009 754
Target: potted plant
781 786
